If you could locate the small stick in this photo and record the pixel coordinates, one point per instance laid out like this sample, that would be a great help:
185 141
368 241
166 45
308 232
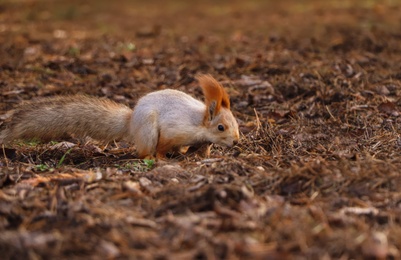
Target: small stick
4 154
258 123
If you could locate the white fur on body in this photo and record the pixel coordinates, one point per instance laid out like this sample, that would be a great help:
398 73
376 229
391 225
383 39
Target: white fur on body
169 115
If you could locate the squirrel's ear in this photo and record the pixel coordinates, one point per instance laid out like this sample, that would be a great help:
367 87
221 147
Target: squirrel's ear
211 110
215 95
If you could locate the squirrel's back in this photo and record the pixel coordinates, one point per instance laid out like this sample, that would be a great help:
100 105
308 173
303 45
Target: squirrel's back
173 107
56 117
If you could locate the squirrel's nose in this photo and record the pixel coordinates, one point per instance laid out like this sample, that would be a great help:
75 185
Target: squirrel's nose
235 142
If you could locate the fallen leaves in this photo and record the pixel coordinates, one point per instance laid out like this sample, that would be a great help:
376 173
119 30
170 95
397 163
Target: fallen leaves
315 176
388 108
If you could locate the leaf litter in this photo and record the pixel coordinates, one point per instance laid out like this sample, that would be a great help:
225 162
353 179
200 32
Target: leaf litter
315 87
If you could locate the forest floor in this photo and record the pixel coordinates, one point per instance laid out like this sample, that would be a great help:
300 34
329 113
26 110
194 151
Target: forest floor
315 86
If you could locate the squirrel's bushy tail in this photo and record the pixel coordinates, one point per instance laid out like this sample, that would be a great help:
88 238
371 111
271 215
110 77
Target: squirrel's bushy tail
54 118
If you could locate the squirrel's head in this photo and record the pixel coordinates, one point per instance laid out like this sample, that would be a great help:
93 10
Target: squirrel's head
222 127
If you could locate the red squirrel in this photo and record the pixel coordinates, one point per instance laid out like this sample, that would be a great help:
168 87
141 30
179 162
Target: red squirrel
161 122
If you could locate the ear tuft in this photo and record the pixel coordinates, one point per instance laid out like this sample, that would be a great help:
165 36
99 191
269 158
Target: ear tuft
213 91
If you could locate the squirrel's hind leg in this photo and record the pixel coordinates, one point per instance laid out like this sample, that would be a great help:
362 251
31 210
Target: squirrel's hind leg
146 135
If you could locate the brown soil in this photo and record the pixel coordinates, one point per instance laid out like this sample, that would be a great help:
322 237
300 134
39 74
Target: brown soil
316 88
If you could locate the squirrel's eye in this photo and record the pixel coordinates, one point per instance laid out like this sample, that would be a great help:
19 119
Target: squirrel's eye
220 127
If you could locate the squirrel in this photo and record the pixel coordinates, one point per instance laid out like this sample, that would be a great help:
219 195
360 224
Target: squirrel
161 122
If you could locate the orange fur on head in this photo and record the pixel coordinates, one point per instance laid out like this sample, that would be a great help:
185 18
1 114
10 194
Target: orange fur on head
213 91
